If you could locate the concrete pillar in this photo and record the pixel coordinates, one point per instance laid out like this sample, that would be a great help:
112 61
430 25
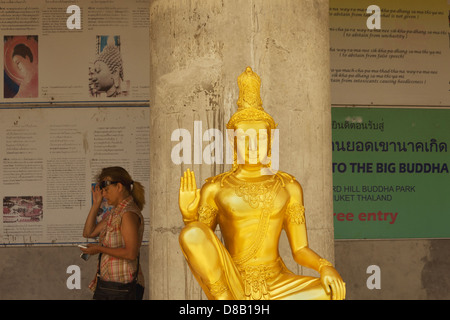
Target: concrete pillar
198 48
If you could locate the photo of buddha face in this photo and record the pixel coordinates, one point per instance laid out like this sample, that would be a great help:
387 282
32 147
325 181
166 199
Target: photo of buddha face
20 67
102 77
106 72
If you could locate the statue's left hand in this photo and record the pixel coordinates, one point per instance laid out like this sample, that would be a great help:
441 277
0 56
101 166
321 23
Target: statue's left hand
332 282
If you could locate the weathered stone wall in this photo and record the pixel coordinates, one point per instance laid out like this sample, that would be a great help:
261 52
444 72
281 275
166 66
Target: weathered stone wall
198 49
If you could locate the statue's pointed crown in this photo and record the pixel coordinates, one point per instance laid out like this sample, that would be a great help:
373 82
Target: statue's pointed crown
249 101
249 90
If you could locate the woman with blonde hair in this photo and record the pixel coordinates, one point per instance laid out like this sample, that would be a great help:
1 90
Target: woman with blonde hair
119 275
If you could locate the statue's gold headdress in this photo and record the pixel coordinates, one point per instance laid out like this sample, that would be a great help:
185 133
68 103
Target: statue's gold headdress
249 102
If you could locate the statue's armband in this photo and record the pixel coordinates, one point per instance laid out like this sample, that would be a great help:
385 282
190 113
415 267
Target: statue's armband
295 213
207 214
324 263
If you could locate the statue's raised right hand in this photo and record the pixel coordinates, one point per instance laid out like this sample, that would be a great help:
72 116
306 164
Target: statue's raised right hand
189 196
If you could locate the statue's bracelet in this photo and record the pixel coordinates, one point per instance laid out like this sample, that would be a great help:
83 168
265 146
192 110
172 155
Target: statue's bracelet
324 263
187 221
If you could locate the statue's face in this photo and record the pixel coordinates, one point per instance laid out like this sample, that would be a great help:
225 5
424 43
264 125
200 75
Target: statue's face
252 142
102 77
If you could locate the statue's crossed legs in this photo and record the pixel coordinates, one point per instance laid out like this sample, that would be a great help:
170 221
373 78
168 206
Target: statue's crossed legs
221 278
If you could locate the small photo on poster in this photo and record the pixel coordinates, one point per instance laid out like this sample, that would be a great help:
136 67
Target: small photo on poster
22 209
106 74
20 67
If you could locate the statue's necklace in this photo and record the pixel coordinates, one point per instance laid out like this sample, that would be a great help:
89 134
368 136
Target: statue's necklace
254 193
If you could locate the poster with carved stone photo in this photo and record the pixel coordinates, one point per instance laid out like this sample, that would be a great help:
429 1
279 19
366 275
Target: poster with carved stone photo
64 37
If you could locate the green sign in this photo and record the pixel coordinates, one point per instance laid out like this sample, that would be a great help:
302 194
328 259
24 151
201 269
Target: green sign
391 173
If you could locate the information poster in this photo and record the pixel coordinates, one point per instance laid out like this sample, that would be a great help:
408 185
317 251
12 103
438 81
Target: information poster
390 52
80 51
391 173
50 157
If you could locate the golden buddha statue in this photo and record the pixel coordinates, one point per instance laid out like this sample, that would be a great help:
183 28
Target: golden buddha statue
251 209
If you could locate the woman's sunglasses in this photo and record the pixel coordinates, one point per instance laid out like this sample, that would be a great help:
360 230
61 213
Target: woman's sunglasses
106 183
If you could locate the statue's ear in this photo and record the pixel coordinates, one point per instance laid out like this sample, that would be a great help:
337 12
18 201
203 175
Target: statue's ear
230 151
230 137
270 137
116 78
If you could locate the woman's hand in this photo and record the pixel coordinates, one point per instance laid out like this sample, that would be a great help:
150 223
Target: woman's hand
97 197
91 228
91 249
189 196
